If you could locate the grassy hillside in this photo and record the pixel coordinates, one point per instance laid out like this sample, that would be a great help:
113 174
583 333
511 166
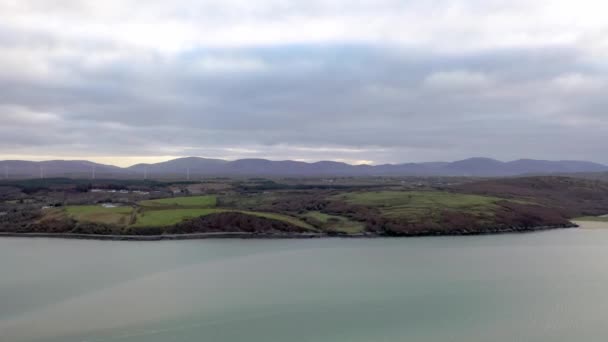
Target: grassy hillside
166 212
99 214
388 208
163 218
279 217
336 223
418 205
573 197
194 201
438 212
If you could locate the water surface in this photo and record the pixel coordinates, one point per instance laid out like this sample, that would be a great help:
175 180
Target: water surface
548 286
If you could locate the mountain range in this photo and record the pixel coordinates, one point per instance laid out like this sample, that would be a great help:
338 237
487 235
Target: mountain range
197 167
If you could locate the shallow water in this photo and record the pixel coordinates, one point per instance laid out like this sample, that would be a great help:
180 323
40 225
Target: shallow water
548 286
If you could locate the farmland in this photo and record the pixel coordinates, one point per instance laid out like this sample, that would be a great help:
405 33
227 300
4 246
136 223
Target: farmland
164 212
194 201
417 205
99 214
161 218
367 207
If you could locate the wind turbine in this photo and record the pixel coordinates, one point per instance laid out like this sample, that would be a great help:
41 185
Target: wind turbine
41 172
188 173
5 171
93 172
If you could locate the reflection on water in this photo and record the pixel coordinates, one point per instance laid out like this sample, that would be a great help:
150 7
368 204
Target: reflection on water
532 287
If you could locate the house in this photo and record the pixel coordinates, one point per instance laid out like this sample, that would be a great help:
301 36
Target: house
175 190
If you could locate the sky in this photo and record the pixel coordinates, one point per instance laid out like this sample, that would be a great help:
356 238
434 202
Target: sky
368 81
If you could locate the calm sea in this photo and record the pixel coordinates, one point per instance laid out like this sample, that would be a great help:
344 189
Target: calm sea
550 286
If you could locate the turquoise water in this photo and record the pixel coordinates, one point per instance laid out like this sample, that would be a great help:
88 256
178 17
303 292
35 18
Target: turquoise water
549 286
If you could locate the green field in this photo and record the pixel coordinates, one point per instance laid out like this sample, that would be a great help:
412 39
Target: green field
166 212
415 204
162 218
337 223
193 201
99 214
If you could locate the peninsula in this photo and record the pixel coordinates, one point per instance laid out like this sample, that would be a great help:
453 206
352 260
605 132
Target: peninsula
294 207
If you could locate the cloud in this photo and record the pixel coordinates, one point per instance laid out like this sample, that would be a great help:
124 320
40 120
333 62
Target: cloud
576 82
457 80
380 81
229 64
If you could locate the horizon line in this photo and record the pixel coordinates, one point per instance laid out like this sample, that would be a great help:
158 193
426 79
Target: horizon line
173 158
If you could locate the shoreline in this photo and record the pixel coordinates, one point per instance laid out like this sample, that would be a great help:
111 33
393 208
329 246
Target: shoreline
195 236
592 224
270 236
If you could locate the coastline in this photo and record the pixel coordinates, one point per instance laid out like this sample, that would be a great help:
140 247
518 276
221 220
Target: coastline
195 236
592 224
245 235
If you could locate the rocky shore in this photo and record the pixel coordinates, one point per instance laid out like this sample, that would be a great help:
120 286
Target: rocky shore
276 235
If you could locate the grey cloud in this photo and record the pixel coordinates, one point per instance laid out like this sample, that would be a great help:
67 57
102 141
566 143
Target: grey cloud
352 101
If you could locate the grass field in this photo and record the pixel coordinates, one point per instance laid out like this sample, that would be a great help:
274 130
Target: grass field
337 223
193 201
249 201
413 204
99 214
167 212
162 218
393 204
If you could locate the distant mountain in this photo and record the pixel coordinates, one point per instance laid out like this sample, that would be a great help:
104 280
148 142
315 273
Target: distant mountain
59 168
486 167
478 167
180 166
545 166
196 167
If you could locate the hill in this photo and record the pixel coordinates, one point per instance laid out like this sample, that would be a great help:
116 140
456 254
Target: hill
197 167
60 168
574 197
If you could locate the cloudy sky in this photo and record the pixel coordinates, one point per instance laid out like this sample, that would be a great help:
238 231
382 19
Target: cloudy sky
125 81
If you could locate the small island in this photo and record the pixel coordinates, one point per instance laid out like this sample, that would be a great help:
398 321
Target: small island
294 208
